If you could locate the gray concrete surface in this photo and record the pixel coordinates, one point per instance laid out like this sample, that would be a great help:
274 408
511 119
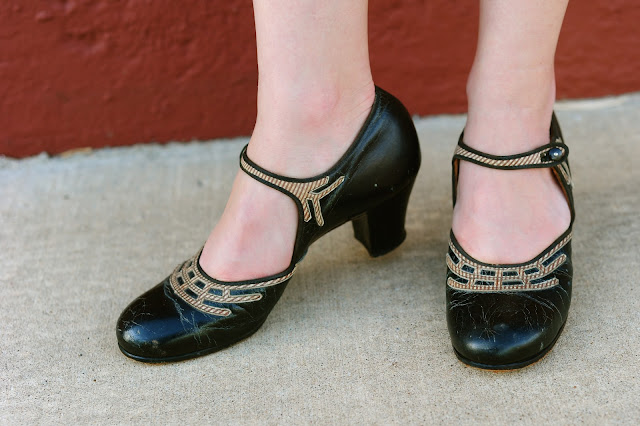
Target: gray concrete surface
353 340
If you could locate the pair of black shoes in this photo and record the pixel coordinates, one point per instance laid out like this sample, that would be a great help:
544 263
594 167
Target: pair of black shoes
191 314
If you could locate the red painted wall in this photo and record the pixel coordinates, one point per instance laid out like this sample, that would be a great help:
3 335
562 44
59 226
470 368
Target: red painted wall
77 73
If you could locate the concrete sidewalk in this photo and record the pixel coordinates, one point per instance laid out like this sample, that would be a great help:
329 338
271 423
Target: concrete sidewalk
353 340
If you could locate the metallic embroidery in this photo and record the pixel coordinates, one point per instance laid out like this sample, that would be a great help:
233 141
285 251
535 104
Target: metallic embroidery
527 160
196 289
306 192
484 278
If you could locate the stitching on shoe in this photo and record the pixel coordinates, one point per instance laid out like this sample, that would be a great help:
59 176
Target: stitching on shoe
190 275
476 277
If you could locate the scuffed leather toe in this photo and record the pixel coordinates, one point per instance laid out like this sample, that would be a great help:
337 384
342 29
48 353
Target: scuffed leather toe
504 331
160 327
140 332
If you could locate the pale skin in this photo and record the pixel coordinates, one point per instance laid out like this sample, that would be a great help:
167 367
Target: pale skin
315 90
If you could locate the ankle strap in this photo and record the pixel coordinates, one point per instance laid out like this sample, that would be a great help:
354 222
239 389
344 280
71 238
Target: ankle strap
549 155
554 155
304 192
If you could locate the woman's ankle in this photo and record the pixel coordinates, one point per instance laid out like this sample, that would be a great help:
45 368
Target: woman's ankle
304 133
510 113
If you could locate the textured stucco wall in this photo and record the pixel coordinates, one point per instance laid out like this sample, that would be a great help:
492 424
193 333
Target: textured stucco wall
77 73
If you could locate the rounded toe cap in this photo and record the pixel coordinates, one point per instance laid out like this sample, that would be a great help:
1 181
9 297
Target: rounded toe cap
504 331
160 327
503 346
145 326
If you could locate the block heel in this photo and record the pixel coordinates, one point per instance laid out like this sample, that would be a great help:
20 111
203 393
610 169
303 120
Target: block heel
381 229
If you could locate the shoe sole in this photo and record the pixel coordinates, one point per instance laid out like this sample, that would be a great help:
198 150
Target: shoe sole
512 366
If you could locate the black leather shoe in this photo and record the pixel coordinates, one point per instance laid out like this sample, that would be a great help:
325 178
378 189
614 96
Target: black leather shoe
191 314
508 316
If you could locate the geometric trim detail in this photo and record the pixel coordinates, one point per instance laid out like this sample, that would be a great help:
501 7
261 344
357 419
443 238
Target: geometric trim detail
476 277
201 292
534 159
305 192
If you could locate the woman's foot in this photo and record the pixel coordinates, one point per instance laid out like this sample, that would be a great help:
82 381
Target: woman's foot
256 233
508 216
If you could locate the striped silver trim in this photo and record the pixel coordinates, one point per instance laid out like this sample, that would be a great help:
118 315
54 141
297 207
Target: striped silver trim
527 160
190 275
306 192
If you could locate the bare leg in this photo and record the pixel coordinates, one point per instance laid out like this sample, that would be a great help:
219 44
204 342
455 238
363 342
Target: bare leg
511 216
314 92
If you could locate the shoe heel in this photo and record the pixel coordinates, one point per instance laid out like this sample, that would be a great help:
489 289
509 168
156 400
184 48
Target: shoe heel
381 228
